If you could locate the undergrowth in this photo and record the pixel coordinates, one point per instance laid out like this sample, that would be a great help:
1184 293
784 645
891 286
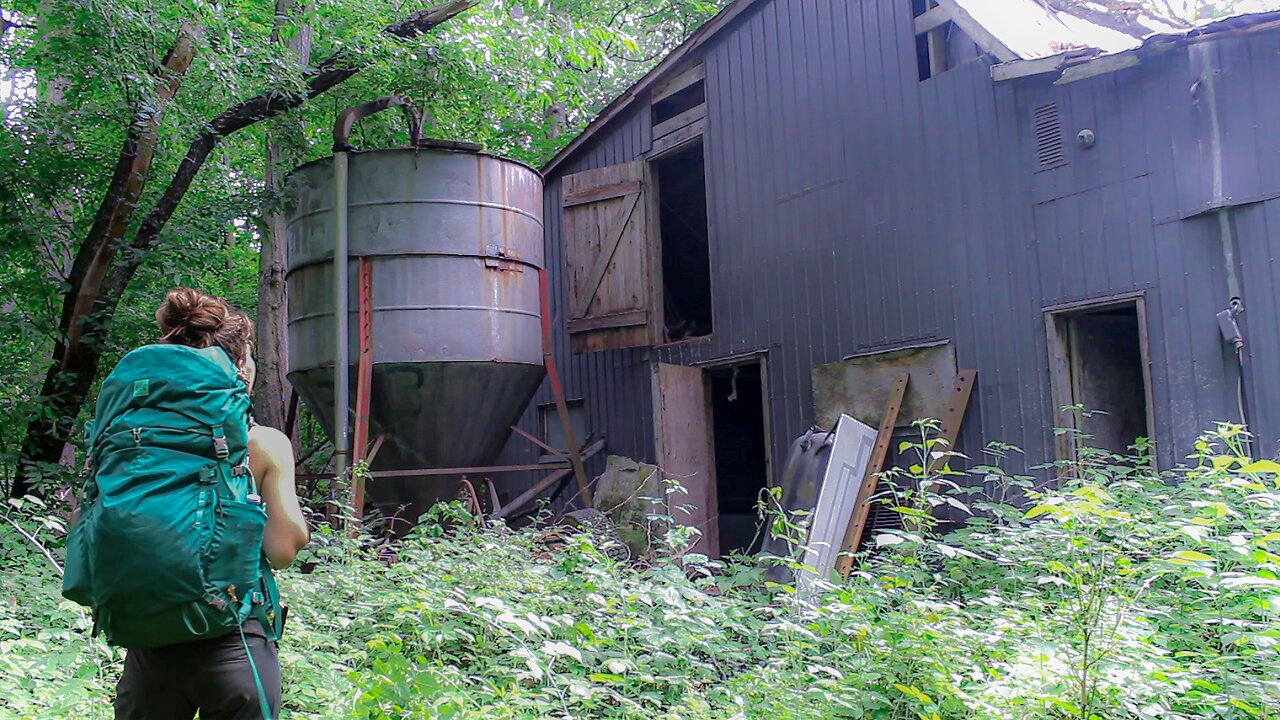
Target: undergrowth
1120 593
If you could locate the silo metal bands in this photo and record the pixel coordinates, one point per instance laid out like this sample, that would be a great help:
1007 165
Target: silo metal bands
454 242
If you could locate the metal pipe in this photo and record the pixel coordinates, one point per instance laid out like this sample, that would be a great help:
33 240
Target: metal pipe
341 350
342 128
1207 87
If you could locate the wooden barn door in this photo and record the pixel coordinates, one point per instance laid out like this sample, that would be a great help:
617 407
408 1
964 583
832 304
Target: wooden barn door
610 259
686 449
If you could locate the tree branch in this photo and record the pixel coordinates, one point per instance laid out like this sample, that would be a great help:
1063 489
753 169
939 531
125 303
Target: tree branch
330 73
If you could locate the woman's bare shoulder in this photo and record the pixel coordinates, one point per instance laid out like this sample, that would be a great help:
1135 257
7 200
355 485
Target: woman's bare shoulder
269 440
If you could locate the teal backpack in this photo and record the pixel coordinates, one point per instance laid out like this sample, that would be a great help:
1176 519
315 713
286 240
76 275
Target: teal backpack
168 548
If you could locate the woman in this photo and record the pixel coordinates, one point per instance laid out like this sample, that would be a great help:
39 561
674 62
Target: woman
214 676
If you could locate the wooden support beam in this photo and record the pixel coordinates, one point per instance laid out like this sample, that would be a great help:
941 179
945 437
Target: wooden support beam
1102 66
664 89
932 19
862 508
989 43
679 138
666 127
603 192
1026 68
603 322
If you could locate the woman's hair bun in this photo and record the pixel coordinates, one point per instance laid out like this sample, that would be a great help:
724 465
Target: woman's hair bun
190 317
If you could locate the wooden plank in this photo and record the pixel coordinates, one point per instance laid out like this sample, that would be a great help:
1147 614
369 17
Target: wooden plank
884 438
667 127
1026 68
656 331
1060 383
954 416
1148 392
932 19
613 237
687 134
686 451
602 192
989 43
1101 66
937 42
664 89
603 322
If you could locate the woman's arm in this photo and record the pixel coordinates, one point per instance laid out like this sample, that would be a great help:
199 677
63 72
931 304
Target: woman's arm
271 462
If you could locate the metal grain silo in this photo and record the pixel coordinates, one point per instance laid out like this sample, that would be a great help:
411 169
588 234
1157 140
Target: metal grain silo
452 242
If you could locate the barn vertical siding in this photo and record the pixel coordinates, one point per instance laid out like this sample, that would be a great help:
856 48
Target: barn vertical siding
853 207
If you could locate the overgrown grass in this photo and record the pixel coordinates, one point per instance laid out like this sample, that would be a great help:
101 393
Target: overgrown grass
1120 594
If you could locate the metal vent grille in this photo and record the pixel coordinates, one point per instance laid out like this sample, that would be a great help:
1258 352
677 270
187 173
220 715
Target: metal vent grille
1050 151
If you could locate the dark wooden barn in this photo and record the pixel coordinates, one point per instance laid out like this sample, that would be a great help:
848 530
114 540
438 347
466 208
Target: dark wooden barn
809 196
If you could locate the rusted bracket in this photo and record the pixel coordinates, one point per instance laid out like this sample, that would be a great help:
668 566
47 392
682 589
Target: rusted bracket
862 508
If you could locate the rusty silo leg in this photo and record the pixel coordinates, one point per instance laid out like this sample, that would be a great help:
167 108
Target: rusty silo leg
364 377
557 390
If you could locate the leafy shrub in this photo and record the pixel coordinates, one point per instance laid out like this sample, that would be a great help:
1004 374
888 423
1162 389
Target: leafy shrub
1121 593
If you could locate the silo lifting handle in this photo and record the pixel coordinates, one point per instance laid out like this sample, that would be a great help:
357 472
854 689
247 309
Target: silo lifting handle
347 120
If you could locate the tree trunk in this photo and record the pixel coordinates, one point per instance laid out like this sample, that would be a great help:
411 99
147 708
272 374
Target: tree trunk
100 275
271 394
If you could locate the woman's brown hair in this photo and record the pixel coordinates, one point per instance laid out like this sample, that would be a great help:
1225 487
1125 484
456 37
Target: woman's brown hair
200 320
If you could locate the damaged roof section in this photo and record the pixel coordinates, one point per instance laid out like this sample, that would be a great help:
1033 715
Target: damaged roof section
1033 29
1085 38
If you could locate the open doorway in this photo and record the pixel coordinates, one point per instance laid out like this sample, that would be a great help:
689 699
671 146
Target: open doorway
712 433
1099 364
741 453
686 259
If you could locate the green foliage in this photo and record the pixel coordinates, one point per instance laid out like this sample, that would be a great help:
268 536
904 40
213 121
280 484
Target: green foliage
1119 594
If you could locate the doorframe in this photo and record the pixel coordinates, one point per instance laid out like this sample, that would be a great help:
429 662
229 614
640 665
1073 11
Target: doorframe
760 357
752 358
1062 373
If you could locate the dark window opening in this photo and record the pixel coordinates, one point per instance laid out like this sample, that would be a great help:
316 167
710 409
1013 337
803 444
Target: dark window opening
742 464
1106 375
686 258
552 429
685 99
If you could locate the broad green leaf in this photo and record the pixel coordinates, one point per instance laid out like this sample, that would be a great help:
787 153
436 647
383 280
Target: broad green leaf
1262 466
1192 557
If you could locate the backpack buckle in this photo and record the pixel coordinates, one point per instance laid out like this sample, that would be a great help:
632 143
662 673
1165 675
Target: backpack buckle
220 447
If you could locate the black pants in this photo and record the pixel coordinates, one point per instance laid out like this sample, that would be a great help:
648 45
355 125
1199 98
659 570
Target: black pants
212 676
